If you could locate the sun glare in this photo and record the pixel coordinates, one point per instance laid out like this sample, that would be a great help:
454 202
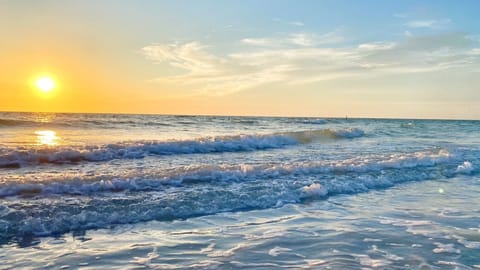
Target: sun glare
45 84
47 137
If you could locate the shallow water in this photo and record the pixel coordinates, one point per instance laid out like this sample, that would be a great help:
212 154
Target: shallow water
135 191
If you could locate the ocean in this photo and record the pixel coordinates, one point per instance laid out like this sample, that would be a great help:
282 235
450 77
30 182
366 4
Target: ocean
105 191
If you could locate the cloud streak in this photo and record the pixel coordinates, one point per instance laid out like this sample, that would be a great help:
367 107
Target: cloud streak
305 39
297 23
427 23
302 58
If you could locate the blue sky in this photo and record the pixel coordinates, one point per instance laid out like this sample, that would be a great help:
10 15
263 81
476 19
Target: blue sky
315 58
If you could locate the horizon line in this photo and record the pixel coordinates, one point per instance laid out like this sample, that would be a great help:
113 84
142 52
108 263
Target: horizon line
262 116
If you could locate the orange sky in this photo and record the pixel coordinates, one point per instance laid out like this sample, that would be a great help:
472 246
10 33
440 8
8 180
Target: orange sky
180 58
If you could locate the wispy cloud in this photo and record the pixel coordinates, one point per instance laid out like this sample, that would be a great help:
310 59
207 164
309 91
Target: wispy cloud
297 23
312 39
190 56
306 58
427 23
400 15
259 41
303 39
306 39
207 73
375 46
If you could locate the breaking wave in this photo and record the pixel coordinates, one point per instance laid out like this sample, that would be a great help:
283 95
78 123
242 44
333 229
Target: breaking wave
187 175
15 158
101 203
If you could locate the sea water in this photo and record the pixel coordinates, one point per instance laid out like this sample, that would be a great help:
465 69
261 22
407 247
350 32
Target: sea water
101 191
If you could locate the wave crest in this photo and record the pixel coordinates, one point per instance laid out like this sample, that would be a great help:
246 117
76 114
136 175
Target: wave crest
176 194
14 158
12 123
188 175
315 135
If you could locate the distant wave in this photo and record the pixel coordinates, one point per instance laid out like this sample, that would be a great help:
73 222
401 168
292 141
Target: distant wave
14 158
314 121
99 123
314 135
176 195
12 122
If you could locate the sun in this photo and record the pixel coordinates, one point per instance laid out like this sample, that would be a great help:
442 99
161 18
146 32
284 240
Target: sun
45 84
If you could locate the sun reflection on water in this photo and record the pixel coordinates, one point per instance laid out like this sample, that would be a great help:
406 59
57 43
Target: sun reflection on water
47 137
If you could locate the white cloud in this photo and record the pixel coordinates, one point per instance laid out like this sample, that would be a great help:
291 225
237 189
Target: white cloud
475 51
427 23
304 39
297 23
258 41
307 58
209 74
190 56
312 39
420 24
375 46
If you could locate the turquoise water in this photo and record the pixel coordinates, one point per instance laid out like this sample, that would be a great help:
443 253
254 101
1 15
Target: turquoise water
168 192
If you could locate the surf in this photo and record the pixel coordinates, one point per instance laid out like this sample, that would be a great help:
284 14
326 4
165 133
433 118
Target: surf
35 155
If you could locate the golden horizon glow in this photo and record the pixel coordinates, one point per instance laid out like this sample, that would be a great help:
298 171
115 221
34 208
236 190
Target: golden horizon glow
45 84
422 64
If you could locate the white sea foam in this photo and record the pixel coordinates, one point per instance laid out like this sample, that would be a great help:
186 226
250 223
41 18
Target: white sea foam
245 265
445 248
13 158
239 173
274 252
405 223
454 265
203 264
132 150
208 249
312 263
350 133
318 121
466 243
366 260
372 240
280 184
465 168
315 189
229 252
146 260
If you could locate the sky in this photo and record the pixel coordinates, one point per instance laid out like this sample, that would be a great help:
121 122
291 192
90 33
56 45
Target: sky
325 58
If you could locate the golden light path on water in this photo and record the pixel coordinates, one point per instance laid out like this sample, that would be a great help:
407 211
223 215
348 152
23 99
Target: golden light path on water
47 137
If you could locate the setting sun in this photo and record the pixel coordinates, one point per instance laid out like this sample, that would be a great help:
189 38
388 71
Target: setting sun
45 84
